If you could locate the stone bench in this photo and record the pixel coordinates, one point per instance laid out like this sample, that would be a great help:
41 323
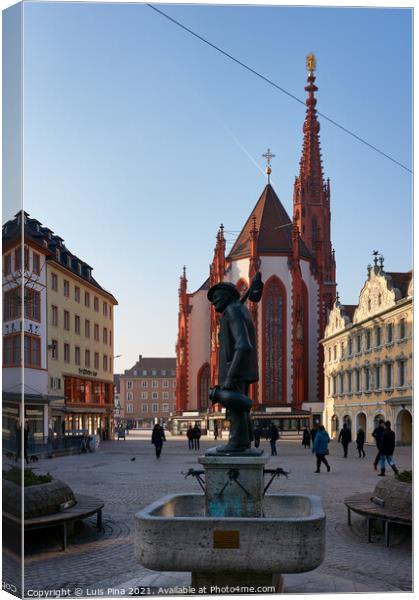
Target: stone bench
391 502
85 506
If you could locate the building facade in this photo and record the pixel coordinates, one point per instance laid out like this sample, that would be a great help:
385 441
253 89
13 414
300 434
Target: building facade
68 347
368 357
297 263
148 392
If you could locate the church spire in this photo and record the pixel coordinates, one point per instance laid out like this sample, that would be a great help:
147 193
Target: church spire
311 171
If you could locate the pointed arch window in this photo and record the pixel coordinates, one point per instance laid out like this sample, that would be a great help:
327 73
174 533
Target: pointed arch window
203 387
274 353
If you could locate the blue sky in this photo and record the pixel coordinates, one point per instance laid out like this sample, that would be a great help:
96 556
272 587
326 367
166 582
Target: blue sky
134 133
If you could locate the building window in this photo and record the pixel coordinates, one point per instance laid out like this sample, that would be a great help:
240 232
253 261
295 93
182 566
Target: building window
11 350
96 332
334 386
389 333
144 407
350 346
402 372
77 355
33 305
87 328
129 385
129 395
87 299
54 349
203 387
367 379
77 324
54 282
87 358
174 383
274 330
105 362
358 343
357 380
26 258
96 360
154 395
7 264
154 408
66 320
377 377
389 375
54 316
12 304
145 373
165 407
144 395
105 309
154 383
144 384
165 395
335 352
154 373
130 408
349 382
341 383
66 288
77 294
368 339
174 395
342 350
36 261
105 335
66 352
18 258
165 383
163 373
402 329
96 303
110 337
378 336
32 347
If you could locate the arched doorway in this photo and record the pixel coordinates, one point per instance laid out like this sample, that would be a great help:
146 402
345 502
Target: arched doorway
404 428
361 421
203 387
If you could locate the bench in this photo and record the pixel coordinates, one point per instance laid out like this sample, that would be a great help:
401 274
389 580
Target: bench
365 505
86 506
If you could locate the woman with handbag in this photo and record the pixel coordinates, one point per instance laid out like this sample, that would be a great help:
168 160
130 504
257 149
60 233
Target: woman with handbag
320 448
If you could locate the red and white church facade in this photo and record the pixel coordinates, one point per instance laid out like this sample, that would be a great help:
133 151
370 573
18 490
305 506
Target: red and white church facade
297 264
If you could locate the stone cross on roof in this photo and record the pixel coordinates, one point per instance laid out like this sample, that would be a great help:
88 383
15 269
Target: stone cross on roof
268 155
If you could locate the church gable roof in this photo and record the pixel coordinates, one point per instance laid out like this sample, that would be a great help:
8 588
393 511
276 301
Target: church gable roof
274 227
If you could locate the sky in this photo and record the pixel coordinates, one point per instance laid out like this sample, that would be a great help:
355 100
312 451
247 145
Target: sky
140 140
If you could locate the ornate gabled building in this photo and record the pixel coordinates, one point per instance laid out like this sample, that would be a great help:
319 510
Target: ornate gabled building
297 264
368 357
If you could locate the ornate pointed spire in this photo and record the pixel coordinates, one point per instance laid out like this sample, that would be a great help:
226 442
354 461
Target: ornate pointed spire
311 171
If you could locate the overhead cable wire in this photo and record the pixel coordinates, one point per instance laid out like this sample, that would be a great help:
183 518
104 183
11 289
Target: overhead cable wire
278 87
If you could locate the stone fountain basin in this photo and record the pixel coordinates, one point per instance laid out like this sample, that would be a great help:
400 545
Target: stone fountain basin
173 534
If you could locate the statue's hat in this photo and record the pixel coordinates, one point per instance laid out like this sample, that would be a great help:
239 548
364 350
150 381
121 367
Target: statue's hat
225 286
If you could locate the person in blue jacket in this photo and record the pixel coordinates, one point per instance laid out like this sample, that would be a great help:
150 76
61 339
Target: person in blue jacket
320 448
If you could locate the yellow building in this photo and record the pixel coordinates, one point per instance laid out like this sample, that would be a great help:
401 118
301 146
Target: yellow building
80 333
368 357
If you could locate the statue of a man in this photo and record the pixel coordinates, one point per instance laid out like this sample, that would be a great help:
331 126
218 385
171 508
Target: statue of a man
237 364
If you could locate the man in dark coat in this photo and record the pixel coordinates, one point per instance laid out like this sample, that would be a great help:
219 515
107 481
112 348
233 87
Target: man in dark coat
377 435
273 437
196 436
360 441
189 435
306 438
237 363
387 445
346 438
157 438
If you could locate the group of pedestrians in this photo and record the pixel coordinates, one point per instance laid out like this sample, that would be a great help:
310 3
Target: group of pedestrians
194 435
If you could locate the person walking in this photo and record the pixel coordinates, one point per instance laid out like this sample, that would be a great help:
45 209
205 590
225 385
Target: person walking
360 441
345 438
273 438
321 448
387 445
189 435
196 436
215 432
306 438
377 434
157 438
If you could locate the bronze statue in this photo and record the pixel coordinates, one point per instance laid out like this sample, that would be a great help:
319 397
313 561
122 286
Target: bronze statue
237 360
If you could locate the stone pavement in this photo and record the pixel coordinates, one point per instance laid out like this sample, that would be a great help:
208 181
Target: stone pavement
103 563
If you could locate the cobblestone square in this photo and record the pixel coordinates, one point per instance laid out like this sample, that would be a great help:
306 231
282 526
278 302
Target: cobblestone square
104 563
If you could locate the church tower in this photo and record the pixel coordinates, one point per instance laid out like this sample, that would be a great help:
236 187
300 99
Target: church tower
312 208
